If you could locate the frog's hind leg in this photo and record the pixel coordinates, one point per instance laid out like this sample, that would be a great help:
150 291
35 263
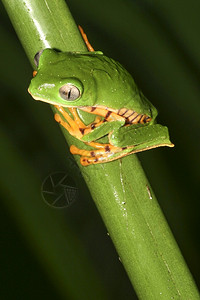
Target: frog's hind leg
90 48
104 153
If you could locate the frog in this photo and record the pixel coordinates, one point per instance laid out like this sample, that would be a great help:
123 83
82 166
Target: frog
91 82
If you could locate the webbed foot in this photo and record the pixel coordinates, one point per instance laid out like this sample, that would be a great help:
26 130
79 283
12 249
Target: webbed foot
103 153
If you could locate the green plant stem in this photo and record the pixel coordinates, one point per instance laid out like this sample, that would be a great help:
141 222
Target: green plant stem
120 189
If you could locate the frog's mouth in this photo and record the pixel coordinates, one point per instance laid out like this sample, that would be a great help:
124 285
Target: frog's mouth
46 100
42 99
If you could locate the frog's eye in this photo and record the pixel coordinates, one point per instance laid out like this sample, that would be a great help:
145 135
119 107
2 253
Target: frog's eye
69 92
37 58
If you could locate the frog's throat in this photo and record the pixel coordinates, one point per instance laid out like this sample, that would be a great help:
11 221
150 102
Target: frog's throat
130 116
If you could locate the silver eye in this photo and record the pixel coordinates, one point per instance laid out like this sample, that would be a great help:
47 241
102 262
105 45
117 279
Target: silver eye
37 57
69 92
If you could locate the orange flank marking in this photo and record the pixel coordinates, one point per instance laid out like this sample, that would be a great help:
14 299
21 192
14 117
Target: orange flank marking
108 115
90 48
132 117
127 115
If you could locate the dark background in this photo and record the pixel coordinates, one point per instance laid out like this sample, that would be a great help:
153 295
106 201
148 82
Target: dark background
158 42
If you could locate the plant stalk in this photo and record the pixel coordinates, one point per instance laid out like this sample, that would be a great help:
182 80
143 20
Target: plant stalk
120 189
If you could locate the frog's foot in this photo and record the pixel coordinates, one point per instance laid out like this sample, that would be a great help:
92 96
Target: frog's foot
84 36
104 153
74 125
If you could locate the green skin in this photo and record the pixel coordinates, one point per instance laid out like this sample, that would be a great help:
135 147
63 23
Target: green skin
101 82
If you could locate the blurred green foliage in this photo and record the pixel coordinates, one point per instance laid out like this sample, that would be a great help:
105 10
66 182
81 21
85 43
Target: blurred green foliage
158 42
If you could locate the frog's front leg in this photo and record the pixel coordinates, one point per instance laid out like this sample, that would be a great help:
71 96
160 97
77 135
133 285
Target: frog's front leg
75 126
97 129
88 133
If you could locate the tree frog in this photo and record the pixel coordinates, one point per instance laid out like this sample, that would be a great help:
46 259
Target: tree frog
99 85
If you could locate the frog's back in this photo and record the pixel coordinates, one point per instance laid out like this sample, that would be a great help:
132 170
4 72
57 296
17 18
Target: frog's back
115 87
105 81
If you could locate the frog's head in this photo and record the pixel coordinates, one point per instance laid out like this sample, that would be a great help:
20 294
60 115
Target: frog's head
59 79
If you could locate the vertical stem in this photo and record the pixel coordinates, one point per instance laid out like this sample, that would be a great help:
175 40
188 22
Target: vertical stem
120 189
